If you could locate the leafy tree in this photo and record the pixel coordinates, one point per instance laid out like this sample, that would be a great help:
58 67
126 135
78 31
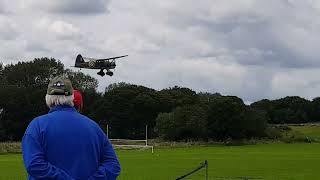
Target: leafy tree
255 123
81 81
90 98
14 99
205 97
226 118
315 109
176 113
127 109
2 79
184 123
177 96
24 92
165 126
113 86
291 109
36 73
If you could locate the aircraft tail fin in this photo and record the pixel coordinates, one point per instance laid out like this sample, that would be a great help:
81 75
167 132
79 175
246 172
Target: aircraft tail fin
79 60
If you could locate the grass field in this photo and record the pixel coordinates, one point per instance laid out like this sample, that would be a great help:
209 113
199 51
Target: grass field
308 130
266 161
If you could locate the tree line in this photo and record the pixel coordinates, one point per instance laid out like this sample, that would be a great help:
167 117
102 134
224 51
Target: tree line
175 113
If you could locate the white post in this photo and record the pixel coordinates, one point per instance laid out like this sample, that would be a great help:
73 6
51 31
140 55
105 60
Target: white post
146 135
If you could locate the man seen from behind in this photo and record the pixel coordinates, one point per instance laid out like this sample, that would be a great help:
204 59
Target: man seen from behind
64 144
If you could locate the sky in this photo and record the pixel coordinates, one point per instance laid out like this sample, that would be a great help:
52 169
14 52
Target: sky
253 49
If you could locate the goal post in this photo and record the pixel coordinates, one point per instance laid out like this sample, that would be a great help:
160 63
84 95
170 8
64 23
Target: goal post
131 143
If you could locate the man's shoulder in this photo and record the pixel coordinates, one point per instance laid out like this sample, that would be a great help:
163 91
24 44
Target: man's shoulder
36 120
84 118
34 125
89 120
93 124
40 119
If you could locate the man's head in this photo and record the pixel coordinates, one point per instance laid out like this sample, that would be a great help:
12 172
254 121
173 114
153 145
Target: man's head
59 92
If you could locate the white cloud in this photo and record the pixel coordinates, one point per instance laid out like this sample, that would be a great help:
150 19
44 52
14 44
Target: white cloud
60 29
63 29
297 82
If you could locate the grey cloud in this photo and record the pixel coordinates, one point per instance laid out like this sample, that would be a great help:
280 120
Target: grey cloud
198 74
11 51
77 6
2 10
3 7
37 47
253 49
303 82
267 27
258 43
8 29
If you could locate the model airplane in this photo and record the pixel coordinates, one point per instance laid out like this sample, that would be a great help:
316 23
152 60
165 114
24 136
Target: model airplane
102 64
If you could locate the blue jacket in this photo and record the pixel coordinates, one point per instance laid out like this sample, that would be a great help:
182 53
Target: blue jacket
64 144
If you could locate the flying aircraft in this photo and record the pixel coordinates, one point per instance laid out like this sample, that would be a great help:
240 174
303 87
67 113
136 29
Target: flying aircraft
93 63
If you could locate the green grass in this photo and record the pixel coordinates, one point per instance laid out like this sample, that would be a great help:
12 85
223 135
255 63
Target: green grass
267 161
308 131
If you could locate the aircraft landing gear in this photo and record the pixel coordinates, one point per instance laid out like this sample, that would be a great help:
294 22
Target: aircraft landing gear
101 73
110 73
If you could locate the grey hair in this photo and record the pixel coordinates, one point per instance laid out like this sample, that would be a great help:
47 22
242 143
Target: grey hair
55 100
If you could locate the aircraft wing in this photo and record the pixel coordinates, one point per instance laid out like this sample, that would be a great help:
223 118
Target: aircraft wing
111 58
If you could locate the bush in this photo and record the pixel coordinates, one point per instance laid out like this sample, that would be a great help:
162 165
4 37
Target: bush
273 132
10 147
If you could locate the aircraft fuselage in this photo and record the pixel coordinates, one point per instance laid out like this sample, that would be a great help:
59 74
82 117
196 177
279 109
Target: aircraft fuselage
96 65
